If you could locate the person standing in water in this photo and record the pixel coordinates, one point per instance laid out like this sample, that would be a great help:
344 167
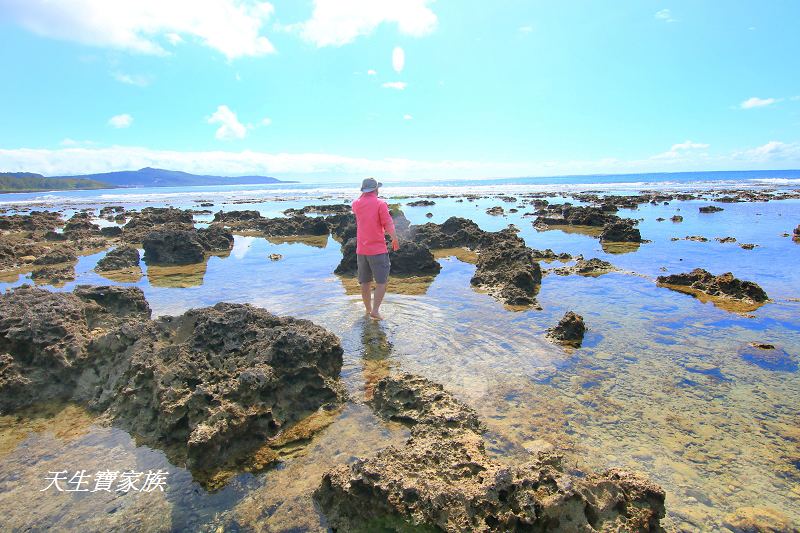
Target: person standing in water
373 222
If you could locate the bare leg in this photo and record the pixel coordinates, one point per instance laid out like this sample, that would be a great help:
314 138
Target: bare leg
366 296
380 290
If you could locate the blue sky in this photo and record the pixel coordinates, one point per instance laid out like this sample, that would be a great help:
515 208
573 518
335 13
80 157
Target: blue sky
309 89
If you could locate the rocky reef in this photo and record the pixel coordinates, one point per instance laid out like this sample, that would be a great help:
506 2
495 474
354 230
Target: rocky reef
570 215
183 247
443 479
411 259
508 272
49 339
150 219
622 230
121 257
298 224
722 286
569 330
586 267
206 385
506 268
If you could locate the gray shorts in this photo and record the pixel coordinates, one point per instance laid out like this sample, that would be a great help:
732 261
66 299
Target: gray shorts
373 266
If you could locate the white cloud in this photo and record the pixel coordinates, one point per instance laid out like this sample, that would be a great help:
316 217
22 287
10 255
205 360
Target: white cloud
399 85
174 39
82 160
371 72
772 151
754 102
120 121
132 79
665 15
407 117
232 27
230 128
266 121
72 142
682 150
339 22
398 59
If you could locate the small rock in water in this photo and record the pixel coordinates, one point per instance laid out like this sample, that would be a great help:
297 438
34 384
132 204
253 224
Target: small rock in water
119 258
569 330
677 218
747 246
275 257
428 215
724 285
725 239
710 209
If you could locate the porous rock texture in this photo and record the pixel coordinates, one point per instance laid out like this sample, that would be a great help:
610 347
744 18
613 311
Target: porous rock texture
185 246
586 267
443 480
411 259
506 268
296 225
50 338
622 230
225 378
569 330
508 272
570 215
207 385
151 219
119 258
724 285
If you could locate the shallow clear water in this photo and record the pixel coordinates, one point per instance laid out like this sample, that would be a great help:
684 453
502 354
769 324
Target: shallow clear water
663 383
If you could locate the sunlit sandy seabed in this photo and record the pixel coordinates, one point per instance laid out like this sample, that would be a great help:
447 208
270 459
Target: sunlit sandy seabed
663 383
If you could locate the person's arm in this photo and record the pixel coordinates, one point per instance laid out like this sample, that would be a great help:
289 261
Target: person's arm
388 224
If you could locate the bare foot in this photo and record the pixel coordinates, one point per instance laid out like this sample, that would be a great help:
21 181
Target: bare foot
375 316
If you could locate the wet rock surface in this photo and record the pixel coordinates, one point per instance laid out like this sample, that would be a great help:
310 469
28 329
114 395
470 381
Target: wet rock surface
724 285
296 225
508 272
550 255
569 330
185 246
172 247
570 215
222 379
51 338
63 254
54 274
39 221
411 259
506 268
209 384
120 258
443 479
623 230
710 209
151 219
586 267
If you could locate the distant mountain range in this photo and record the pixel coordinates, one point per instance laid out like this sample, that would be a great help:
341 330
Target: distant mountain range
145 177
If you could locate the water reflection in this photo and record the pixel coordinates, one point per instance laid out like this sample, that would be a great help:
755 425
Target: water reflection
177 276
376 356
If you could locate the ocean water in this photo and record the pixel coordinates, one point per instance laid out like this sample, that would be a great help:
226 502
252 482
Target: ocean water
664 383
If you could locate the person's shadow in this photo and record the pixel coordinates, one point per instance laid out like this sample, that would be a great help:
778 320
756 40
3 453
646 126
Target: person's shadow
376 356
